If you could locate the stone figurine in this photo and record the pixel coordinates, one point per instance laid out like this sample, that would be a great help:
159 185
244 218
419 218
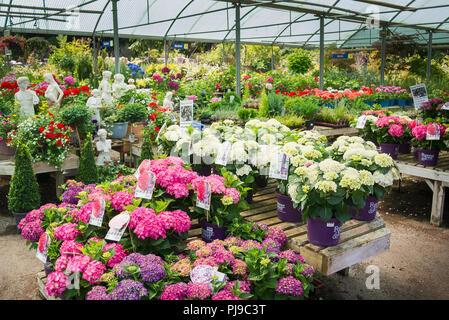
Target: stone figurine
168 103
103 146
105 88
54 92
95 104
27 98
119 85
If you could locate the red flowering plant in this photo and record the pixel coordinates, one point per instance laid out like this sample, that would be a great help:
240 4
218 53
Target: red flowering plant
159 116
47 139
8 123
420 132
391 130
75 95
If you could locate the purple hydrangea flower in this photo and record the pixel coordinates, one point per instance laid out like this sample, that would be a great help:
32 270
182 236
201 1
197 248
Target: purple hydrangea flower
290 286
151 272
69 196
129 290
98 293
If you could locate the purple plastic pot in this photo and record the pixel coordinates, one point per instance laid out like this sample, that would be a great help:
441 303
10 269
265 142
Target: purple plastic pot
249 196
323 234
428 158
211 232
390 148
368 212
405 148
261 181
205 170
286 212
415 152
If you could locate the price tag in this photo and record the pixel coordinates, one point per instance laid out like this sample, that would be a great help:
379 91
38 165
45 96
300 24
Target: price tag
185 113
279 166
205 274
42 248
172 117
96 217
419 93
445 106
145 185
361 121
433 132
117 227
144 166
223 154
203 196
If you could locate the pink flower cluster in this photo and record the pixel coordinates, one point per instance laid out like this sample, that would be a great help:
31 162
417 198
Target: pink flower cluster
118 256
396 130
121 199
56 283
67 231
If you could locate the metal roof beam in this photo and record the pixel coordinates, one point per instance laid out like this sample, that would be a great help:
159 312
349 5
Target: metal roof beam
388 5
44 9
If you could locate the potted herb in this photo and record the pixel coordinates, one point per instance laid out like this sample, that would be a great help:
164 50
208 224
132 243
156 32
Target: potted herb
23 193
135 114
308 109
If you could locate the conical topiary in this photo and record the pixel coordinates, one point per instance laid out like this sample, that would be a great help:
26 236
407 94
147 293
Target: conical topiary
147 146
87 171
23 193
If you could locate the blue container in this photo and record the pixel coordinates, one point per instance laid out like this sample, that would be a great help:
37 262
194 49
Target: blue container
384 104
119 130
392 102
401 102
198 125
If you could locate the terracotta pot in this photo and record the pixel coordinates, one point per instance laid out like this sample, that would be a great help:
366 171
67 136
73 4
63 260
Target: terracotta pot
136 128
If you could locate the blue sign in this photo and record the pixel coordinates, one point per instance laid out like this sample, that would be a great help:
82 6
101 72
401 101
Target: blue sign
340 56
107 44
178 46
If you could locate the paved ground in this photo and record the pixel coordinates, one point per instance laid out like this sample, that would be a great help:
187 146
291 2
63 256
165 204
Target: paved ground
415 267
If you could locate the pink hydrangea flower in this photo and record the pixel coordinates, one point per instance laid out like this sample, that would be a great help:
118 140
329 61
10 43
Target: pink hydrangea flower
209 261
118 256
223 255
94 271
150 227
239 267
291 256
139 214
61 263
121 199
56 283
396 130
198 291
420 132
195 245
233 193
225 295
70 248
175 291
78 263
66 232
177 220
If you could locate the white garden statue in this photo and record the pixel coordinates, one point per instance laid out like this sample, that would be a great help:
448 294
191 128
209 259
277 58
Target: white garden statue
103 147
26 98
95 104
105 88
54 92
119 85
168 103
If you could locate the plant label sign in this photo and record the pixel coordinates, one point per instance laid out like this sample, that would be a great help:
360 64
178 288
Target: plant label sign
42 248
205 274
445 106
96 217
433 132
223 154
145 185
161 130
203 196
279 166
172 117
361 122
144 166
186 113
117 227
419 93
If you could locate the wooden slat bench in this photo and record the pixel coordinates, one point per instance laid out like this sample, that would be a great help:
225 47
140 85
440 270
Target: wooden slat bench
437 178
359 240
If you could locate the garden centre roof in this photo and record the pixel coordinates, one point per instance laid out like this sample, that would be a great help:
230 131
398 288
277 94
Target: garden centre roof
347 23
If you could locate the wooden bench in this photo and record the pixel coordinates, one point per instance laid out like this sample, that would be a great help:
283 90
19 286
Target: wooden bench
437 178
359 240
71 163
332 133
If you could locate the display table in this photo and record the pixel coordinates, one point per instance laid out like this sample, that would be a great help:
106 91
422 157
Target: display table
359 240
71 163
437 178
332 133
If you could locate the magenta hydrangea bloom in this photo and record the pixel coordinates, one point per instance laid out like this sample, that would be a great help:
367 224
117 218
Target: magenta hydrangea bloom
198 291
291 256
94 271
225 295
216 244
233 193
177 220
271 243
177 291
66 231
223 256
78 263
121 199
209 261
150 227
98 293
118 256
244 286
179 190
70 248
261 226
56 283
61 263
276 234
307 271
290 286
32 231
396 130
139 214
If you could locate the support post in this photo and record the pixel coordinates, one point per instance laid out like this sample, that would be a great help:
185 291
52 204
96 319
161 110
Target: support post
237 50
116 37
321 52
95 54
272 58
429 56
165 52
436 217
224 54
383 55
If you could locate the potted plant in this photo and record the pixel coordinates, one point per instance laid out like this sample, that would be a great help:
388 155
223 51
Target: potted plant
79 117
7 124
389 132
23 193
135 114
118 127
428 150
402 97
308 110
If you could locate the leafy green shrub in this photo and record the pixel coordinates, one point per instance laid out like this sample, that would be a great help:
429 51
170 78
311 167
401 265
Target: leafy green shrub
67 64
303 106
291 120
87 171
272 105
84 67
108 173
133 112
247 114
215 106
147 146
227 98
299 62
78 116
23 193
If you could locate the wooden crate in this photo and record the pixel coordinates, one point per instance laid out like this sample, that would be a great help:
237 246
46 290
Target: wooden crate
41 281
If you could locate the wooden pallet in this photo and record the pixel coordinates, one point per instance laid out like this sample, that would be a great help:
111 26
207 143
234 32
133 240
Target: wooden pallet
437 178
336 132
359 240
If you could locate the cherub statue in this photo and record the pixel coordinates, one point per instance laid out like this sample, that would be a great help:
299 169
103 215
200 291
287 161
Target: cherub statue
119 85
168 103
105 88
94 103
26 98
103 147
54 92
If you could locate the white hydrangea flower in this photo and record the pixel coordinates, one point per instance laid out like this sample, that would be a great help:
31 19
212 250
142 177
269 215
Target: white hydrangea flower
326 186
292 190
384 180
244 170
383 160
329 165
366 178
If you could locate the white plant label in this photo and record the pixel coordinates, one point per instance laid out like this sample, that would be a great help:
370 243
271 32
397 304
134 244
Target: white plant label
145 185
223 154
330 224
433 132
445 106
42 248
186 113
419 93
117 227
203 196
361 122
279 166
96 217
144 166
161 130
